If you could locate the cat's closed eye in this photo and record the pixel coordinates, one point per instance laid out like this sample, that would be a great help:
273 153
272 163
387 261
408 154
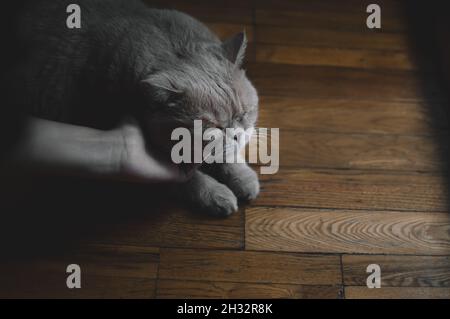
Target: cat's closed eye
240 117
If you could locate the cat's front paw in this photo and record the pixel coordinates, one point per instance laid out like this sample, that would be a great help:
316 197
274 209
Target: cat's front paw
245 185
219 201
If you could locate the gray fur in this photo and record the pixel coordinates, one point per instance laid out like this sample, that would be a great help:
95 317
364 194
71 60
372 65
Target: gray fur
161 66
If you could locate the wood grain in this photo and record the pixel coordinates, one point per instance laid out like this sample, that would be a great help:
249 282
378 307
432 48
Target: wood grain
225 30
306 14
172 226
329 18
399 271
216 4
352 189
249 267
52 286
182 289
334 116
397 293
106 272
392 7
210 12
349 58
337 83
364 39
359 151
337 231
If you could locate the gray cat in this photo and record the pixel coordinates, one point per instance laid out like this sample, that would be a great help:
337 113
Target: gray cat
161 66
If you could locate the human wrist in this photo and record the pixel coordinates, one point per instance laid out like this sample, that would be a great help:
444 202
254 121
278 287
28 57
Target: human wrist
112 147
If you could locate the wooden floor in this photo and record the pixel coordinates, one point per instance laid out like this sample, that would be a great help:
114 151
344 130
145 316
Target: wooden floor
361 180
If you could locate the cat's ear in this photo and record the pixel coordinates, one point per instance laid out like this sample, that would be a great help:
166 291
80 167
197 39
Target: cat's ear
160 85
234 48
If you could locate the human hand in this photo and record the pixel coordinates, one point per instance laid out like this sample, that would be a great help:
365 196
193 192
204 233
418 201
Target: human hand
136 162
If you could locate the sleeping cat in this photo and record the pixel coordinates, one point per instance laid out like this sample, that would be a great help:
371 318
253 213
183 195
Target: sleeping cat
162 67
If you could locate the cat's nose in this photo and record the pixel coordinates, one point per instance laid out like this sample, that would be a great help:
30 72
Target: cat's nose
239 138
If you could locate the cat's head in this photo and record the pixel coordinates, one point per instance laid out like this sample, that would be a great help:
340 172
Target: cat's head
206 83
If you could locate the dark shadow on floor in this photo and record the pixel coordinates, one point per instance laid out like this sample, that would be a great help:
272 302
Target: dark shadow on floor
430 38
43 216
